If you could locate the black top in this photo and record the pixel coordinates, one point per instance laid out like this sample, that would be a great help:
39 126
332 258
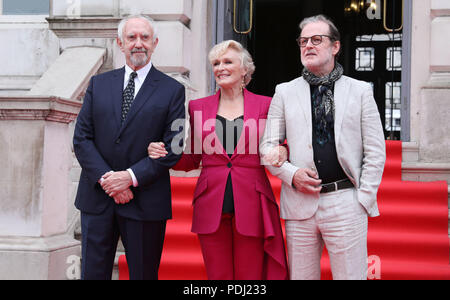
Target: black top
325 156
229 133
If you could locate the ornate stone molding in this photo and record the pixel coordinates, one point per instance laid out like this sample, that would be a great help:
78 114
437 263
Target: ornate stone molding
438 80
99 27
53 109
426 168
47 244
86 27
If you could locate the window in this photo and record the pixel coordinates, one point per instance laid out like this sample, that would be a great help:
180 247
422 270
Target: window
394 58
393 105
365 59
26 7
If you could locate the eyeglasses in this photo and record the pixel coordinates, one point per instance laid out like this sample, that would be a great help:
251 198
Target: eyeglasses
315 40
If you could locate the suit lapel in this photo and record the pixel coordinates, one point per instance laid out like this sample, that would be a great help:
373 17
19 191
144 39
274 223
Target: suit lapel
209 129
117 91
251 114
341 90
303 100
147 89
210 108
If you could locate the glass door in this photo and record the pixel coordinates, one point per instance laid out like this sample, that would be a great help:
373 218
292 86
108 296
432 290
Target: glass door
373 37
373 45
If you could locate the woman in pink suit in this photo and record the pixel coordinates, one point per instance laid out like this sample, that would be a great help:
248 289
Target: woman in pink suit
235 213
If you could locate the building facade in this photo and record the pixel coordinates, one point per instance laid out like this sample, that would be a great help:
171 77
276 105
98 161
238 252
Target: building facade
51 48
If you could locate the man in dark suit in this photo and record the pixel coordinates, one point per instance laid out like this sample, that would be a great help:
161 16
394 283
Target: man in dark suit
122 192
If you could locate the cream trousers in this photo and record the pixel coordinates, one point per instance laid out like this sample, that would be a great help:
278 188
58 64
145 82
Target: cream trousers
341 224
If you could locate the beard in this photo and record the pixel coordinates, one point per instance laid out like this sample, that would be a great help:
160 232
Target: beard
139 57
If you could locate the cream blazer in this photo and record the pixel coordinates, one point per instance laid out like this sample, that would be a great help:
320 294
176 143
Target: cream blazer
359 139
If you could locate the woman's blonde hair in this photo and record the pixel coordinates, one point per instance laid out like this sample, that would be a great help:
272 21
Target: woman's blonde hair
246 59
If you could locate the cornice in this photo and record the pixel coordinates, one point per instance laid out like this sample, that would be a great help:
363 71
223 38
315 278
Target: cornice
53 109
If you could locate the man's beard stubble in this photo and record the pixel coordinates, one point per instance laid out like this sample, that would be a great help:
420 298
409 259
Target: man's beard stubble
139 60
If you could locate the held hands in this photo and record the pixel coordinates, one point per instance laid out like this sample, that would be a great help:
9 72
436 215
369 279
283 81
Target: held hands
156 150
276 157
116 185
307 181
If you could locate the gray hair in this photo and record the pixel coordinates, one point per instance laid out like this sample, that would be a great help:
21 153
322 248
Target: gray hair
246 58
150 21
333 31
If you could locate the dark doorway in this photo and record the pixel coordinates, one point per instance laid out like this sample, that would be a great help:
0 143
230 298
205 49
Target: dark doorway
371 33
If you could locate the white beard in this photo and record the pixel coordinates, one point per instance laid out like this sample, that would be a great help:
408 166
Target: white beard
139 60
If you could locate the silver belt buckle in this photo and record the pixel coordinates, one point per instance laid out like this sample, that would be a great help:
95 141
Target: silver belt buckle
335 186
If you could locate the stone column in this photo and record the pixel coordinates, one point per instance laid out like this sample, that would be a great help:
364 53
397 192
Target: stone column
34 182
430 93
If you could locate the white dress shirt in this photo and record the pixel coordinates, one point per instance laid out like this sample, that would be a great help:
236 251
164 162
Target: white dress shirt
138 81
140 78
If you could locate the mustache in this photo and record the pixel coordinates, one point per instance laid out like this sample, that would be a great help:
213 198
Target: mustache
138 50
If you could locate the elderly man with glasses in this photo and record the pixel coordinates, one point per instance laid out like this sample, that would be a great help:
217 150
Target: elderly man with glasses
336 158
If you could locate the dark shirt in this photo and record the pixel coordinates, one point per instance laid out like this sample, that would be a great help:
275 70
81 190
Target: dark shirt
325 156
229 133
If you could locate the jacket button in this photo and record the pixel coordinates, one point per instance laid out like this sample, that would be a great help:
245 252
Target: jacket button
118 141
229 165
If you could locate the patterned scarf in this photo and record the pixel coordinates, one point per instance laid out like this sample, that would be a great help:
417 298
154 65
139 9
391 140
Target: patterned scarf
323 102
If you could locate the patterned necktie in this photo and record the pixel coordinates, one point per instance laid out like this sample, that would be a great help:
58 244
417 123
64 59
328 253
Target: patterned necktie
128 96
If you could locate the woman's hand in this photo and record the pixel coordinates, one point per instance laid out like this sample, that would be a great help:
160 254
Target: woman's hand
156 150
277 156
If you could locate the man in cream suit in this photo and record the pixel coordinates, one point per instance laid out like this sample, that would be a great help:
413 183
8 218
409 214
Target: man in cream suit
336 158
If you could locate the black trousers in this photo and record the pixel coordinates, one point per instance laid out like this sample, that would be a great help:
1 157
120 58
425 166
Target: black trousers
143 242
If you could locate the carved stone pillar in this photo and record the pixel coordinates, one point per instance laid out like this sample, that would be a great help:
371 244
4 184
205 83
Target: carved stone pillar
35 165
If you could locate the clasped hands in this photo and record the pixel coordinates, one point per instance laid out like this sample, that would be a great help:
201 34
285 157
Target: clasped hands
117 186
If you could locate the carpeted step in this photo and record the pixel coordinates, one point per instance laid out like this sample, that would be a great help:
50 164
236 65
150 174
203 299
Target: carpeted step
408 241
397 270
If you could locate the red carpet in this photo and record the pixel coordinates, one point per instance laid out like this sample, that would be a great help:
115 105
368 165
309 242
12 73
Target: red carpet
408 241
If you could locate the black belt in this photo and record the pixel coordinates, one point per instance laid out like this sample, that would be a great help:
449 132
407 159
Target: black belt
335 186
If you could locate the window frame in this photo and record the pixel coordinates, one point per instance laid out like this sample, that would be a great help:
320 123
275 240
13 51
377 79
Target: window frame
2 12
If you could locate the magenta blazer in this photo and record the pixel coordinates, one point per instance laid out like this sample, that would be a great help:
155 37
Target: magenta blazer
256 210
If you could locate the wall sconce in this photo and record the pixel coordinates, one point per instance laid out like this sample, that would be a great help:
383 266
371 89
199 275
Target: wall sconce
371 7
355 6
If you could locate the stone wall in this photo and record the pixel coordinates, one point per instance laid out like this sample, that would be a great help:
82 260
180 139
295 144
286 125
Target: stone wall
430 92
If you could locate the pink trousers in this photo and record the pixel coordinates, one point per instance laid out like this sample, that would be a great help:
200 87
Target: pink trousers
229 255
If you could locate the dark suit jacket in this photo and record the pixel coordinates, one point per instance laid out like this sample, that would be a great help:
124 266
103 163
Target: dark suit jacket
101 144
